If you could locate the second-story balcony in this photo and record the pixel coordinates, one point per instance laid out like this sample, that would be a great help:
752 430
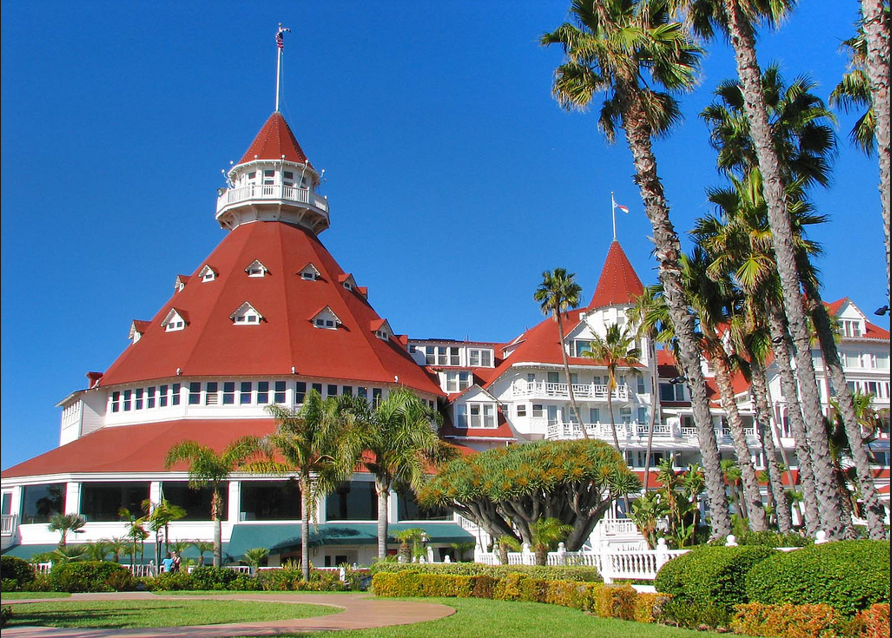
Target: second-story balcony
583 391
260 193
635 432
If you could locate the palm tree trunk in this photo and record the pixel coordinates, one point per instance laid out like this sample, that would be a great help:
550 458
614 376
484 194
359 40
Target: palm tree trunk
668 251
789 387
653 413
876 32
763 420
383 500
305 509
873 508
743 41
216 506
567 372
752 498
610 383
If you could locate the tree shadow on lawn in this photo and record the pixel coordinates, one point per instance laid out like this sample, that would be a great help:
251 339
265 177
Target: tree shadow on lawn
93 618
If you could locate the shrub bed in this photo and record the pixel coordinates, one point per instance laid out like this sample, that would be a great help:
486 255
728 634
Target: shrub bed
707 582
875 621
15 572
847 575
549 572
91 576
789 621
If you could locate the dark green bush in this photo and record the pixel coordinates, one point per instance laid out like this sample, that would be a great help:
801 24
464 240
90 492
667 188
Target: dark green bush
213 578
41 582
9 584
550 572
773 539
5 615
847 575
12 568
708 581
169 581
91 576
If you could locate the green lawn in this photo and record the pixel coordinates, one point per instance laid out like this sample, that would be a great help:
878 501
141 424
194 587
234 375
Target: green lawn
19 595
121 614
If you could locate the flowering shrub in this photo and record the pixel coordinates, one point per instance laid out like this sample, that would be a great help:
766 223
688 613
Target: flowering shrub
788 621
875 621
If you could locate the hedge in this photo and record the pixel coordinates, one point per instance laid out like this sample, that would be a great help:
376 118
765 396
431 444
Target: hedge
847 575
788 621
549 572
15 569
91 576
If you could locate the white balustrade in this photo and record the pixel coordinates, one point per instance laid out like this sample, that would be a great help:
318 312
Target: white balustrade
7 524
271 191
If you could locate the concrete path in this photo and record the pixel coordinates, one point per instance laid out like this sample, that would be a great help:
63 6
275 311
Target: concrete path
360 611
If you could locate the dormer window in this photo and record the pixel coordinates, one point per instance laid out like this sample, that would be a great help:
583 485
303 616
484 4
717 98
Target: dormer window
256 269
347 281
382 329
310 273
851 328
138 329
326 319
207 274
180 283
246 315
174 321
480 358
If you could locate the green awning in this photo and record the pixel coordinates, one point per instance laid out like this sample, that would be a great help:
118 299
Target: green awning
27 551
282 537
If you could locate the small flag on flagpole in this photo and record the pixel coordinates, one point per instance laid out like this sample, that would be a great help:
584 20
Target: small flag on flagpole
280 39
622 208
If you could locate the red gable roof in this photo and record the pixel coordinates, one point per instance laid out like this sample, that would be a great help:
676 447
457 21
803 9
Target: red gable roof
618 283
273 141
212 345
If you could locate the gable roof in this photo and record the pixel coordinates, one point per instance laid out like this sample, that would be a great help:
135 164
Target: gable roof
211 346
274 141
619 283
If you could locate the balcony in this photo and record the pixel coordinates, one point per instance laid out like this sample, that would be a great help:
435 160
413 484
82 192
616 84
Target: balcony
7 524
545 390
638 431
272 192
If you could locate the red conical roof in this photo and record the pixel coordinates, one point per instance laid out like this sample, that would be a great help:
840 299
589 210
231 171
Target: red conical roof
618 283
273 141
212 345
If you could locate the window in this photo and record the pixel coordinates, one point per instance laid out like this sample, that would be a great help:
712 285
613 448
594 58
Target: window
310 273
582 346
552 414
207 274
537 410
301 392
175 396
194 393
521 410
150 397
162 396
256 269
347 390
40 502
531 377
671 392
262 392
127 395
458 381
594 415
269 176
288 178
197 503
850 328
173 322
553 377
279 396
625 414
461 416
362 392
229 393
318 388
641 388
245 393
441 355
246 315
137 399
883 361
101 502
480 358
210 393
408 509
642 415
270 500
352 501
332 390
116 401
376 396
483 415
851 360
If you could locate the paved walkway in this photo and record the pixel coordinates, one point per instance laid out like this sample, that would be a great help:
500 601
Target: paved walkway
360 611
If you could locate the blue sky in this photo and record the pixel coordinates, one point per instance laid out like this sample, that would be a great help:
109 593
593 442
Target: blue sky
454 178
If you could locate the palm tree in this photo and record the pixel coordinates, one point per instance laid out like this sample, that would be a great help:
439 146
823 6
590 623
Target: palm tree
545 534
613 47
209 468
410 543
136 533
66 524
203 547
255 556
616 348
557 294
400 444
97 550
159 516
313 444
737 19
853 93
646 512
116 546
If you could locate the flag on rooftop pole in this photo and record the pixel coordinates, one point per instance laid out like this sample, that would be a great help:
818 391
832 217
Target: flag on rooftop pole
280 45
615 205
613 212
280 38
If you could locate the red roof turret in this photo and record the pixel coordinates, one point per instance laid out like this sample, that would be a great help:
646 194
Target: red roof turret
274 141
618 284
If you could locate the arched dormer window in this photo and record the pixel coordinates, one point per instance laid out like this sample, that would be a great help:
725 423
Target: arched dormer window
256 269
175 320
246 315
310 273
207 274
327 319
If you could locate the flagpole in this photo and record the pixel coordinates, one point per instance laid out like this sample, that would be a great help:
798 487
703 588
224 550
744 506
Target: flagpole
613 213
278 65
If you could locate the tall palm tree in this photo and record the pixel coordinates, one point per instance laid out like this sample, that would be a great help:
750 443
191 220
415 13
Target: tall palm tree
207 467
614 350
557 294
624 48
400 444
737 20
159 516
313 445
853 94
203 548
66 524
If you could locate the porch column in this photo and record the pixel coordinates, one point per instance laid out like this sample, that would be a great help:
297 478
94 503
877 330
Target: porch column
235 505
72 498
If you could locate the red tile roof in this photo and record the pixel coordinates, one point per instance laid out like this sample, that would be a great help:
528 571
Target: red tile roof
213 346
273 141
618 283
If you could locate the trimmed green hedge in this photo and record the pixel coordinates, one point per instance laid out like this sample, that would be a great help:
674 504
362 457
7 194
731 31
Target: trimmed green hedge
91 576
17 570
550 572
847 575
707 582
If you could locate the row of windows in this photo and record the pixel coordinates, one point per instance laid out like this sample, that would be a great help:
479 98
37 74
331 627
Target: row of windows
145 398
552 413
451 356
621 380
475 415
865 360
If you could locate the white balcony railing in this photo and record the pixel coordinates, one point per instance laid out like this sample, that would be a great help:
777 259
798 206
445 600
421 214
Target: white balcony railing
544 389
8 524
633 431
272 192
